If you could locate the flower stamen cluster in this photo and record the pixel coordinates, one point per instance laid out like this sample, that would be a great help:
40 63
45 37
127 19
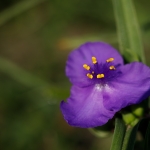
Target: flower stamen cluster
95 62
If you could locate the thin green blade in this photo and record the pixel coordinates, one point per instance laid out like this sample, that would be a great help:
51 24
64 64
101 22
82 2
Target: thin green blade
128 29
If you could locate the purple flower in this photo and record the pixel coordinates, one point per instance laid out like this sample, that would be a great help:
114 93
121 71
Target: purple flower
102 84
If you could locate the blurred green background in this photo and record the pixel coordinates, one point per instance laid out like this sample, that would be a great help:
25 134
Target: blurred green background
35 39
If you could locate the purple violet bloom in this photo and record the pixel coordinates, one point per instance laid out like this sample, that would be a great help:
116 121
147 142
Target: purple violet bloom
102 84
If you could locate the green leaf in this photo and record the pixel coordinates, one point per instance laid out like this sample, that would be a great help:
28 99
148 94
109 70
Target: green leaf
118 136
128 29
147 138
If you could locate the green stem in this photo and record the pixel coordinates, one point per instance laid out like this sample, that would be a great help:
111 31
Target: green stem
126 140
118 136
129 139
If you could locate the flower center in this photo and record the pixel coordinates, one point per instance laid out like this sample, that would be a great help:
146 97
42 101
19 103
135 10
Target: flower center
101 71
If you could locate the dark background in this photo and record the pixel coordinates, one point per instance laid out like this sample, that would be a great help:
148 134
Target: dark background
35 39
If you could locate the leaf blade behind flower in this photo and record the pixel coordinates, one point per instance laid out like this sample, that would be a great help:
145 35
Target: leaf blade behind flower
128 29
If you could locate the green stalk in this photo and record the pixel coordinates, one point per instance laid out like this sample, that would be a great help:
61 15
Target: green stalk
128 30
130 136
118 136
126 140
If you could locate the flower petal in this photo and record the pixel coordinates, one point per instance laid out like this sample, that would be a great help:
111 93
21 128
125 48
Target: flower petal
85 107
131 88
83 55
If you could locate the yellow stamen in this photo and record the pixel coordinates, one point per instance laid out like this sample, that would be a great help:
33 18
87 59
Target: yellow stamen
99 76
85 66
92 72
94 60
110 60
112 68
89 75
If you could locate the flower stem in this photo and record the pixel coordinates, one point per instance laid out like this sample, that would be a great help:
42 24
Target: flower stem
129 138
126 140
118 136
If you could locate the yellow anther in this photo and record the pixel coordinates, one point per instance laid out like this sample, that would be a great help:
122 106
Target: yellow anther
94 60
92 72
89 75
110 60
99 76
112 68
85 66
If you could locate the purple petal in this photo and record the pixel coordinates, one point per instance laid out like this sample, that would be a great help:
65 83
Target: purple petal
83 55
131 88
85 107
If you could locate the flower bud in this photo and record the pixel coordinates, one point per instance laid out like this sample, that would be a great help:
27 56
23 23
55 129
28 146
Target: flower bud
128 118
137 110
